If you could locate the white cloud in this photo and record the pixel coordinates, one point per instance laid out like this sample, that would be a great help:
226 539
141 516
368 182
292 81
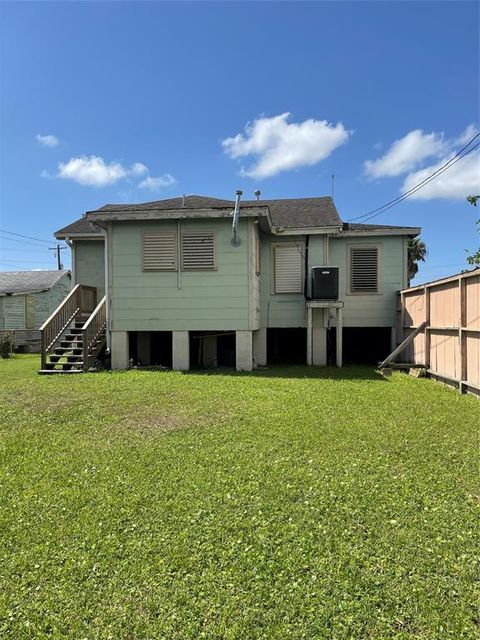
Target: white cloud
154 184
48 140
138 169
406 154
456 183
93 171
280 146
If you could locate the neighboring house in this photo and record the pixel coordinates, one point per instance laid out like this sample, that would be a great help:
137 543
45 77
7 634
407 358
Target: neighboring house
189 283
27 298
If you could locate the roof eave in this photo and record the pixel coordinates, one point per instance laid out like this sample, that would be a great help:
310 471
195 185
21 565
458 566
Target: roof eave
399 231
173 214
302 231
98 235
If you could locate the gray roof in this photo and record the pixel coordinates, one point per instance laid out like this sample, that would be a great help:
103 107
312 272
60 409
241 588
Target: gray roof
28 281
285 212
360 226
289 213
80 226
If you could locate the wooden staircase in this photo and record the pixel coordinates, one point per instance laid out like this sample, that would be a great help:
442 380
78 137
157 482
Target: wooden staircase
74 335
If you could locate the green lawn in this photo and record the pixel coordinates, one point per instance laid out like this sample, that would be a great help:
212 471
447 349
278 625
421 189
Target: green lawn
294 503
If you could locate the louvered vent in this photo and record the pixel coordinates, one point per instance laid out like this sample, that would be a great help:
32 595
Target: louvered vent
363 269
160 251
288 269
198 251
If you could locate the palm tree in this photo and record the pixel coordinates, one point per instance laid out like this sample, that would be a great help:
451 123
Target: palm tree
417 250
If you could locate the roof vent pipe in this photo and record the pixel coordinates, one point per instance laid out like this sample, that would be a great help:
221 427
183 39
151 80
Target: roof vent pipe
236 215
257 194
183 201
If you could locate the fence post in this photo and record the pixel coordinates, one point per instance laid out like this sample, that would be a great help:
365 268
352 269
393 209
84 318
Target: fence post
461 333
427 328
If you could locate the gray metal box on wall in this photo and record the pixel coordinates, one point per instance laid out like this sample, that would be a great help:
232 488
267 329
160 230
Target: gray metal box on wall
324 283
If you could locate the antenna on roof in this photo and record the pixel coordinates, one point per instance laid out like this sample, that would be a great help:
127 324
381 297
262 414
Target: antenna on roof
183 201
257 194
333 185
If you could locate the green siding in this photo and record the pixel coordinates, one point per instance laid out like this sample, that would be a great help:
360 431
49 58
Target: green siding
286 309
56 295
30 310
89 266
156 301
232 297
371 310
14 310
39 305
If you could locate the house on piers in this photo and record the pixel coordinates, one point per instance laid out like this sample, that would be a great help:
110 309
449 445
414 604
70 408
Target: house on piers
202 282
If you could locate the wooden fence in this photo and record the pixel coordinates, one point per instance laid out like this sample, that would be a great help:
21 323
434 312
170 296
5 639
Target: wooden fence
449 346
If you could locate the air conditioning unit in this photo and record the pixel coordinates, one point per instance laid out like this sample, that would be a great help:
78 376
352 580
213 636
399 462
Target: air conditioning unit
324 283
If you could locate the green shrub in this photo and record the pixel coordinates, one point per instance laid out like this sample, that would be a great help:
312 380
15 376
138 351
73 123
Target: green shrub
6 344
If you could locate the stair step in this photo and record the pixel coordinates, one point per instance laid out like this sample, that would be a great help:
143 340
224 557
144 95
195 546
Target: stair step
44 372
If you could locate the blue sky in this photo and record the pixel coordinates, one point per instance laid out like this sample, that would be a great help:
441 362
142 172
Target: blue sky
130 102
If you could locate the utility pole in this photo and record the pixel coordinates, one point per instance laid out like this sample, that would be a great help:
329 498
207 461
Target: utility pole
333 185
57 251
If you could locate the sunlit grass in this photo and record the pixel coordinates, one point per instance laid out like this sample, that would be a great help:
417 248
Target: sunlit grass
296 503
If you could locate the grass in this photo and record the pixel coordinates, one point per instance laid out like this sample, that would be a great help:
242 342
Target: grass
295 503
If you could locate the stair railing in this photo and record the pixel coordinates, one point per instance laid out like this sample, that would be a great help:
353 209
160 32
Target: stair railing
81 299
93 331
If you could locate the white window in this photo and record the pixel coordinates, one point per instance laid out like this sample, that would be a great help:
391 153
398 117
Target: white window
198 251
160 251
288 267
364 269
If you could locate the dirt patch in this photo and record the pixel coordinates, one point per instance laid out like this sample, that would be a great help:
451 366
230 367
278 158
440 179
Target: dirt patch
148 424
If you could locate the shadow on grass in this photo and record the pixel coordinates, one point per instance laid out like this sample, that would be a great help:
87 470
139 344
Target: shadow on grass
353 372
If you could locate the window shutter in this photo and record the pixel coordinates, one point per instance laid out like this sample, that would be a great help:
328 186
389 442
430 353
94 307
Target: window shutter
288 269
198 251
363 269
160 251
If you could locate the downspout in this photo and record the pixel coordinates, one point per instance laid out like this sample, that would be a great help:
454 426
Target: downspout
306 278
72 253
107 291
236 214
179 249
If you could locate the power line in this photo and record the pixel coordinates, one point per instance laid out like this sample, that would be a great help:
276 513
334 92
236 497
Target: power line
12 233
26 261
33 244
414 190
25 250
453 160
